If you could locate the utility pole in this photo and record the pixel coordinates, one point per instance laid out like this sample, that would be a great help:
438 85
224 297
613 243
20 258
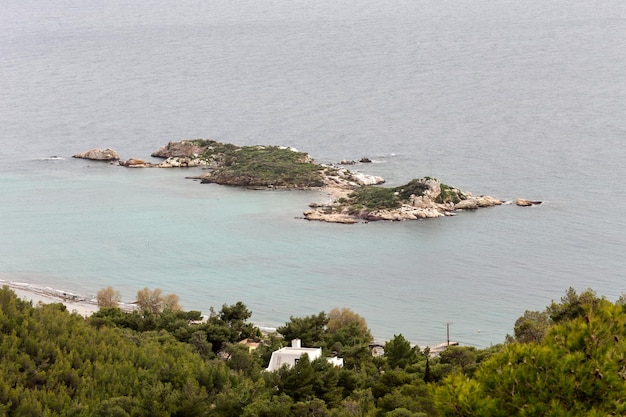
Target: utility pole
448 332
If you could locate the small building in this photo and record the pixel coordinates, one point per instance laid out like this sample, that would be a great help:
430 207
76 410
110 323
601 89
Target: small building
291 355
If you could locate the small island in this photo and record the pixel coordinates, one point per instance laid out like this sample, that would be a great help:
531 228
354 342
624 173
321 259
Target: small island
354 196
421 198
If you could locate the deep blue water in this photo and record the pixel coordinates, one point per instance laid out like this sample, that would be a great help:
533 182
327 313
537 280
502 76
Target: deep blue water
510 99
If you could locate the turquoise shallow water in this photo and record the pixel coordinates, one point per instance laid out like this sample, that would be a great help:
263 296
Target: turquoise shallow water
106 225
507 99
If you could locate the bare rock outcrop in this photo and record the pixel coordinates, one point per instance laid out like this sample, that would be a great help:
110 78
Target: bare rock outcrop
320 215
106 154
475 202
171 162
468 204
182 148
183 162
137 163
405 212
349 179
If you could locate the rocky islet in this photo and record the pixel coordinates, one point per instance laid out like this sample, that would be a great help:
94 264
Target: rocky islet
354 196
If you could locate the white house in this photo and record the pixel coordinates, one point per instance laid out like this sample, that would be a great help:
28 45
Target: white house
291 355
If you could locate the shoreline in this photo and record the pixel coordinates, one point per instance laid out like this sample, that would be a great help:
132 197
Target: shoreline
47 295
74 303
40 295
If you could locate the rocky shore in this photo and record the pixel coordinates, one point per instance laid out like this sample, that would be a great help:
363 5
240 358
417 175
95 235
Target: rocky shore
422 198
353 196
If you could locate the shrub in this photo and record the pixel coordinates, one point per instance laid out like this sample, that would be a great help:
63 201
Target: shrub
108 297
374 198
267 165
414 187
449 195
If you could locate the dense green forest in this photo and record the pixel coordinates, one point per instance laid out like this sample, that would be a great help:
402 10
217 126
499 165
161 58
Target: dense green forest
569 360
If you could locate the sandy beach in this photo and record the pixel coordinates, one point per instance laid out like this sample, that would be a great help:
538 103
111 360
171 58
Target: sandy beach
45 295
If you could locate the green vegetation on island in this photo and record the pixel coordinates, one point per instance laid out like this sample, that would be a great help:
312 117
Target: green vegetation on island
258 166
568 360
354 195
380 198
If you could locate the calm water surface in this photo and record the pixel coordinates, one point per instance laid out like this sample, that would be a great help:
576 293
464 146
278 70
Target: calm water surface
497 97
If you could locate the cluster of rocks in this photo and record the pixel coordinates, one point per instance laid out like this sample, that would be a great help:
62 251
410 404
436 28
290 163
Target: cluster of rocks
183 154
344 178
363 160
426 208
171 162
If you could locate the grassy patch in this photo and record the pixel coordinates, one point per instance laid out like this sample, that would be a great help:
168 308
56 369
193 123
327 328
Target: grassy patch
414 187
214 148
449 195
374 198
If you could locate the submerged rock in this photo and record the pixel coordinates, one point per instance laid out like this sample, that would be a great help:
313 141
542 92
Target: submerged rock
522 202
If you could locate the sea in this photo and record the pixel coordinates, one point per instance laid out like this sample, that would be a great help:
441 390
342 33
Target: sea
508 98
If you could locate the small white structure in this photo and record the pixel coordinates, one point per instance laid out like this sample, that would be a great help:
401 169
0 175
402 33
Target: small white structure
337 361
291 355
437 349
